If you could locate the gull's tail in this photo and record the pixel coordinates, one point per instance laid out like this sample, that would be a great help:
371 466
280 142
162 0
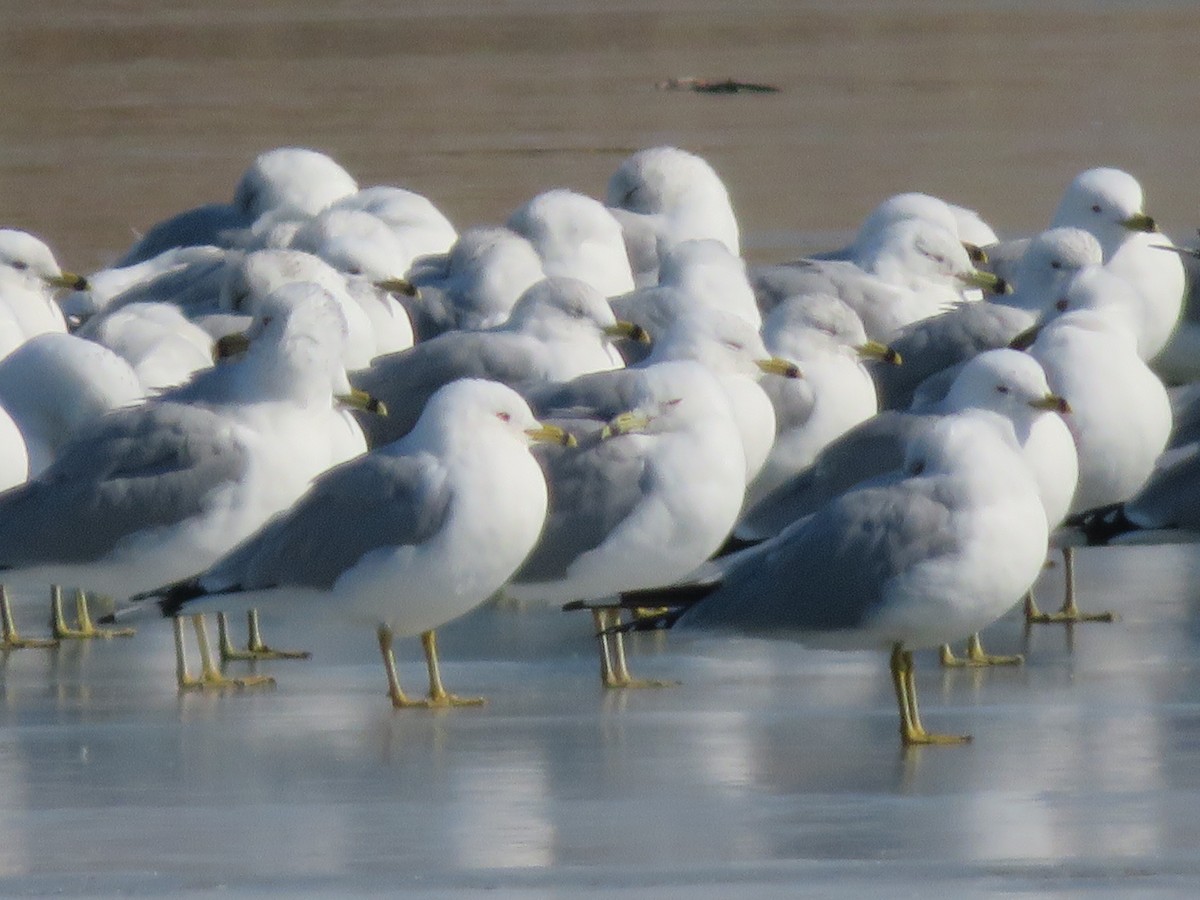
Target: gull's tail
1102 524
656 608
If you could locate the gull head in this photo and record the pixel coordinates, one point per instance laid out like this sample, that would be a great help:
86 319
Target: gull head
29 256
1108 203
291 179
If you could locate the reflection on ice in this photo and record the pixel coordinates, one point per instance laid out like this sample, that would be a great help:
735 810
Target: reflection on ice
769 764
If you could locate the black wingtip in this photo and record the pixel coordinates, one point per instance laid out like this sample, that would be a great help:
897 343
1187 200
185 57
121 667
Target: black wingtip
677 595
172 599
734 544
1100 525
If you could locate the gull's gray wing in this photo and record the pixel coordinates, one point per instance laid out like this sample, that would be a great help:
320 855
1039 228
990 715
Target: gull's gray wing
941 341
870 449
134 470
600 395
831 571
404 381
593 489
870 297
190 228
378 500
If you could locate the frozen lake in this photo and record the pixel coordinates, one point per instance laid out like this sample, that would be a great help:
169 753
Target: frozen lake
770 768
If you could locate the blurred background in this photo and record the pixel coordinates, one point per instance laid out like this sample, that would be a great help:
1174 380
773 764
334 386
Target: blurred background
116 113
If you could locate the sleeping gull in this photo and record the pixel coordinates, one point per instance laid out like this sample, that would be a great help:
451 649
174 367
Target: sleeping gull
939 551
965 224
407 537
574 235
663 196
474 284
292 179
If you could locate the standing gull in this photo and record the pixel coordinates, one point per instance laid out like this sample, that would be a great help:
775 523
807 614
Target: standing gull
934 553
408 537
1120 414
644 504
147 495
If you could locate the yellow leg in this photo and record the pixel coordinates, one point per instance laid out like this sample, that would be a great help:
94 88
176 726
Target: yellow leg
614 668
1069 613
210 677
976 656
85 630
399 698
10 638
601 621
912 732
438 695
255 648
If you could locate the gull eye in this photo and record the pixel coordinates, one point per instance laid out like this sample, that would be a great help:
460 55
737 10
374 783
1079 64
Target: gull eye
20 265
354 270
1056 264
917 468
1002 389
734 345
1096 208
267 320
674 402
504 417
1062 305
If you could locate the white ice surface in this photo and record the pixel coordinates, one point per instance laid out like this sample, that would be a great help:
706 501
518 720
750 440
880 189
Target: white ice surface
772 771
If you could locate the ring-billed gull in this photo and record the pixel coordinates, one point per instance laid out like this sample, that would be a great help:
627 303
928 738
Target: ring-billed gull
158 341
422 227
559 328
1005 382
574 235
965 224
912 271
188 277
935 344
149 494
29 275
407 537
14 470
731 350
663 196
55 384
826 339
695 276
644 504
937 552
1121 416
474 284
1109 203
286 178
